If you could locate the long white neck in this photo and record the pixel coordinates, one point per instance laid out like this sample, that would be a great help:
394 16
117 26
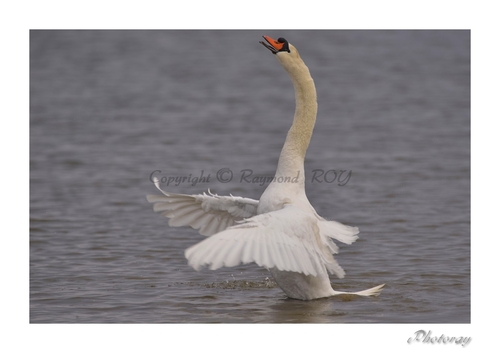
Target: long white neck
291 161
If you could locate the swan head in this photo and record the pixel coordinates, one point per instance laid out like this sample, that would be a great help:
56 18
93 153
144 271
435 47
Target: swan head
286 53
276 46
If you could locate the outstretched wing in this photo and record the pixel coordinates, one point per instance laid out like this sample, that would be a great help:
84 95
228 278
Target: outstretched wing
288 239
207 212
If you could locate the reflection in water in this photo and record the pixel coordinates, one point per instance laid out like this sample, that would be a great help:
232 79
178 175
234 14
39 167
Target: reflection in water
292 310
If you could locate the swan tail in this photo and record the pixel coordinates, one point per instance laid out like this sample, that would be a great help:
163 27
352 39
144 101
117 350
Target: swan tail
375 291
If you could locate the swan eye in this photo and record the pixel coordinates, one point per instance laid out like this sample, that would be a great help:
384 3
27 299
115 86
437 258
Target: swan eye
285 44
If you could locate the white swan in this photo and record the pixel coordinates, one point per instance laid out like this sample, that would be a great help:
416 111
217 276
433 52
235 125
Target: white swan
281 231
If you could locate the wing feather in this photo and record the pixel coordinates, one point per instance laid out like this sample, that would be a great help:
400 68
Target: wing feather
181 211
223 252
167 205
285 248
338 231
287 239
265 258
188 218
248 248
274 252
233 258
211 226
209 213
201 221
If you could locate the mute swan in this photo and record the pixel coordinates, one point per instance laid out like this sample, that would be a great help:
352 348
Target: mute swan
281 231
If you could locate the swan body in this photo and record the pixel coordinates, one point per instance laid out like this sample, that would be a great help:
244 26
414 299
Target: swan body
281 231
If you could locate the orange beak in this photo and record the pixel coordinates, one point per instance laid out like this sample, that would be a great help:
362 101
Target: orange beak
277 45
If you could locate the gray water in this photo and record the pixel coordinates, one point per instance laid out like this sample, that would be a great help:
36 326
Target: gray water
110 107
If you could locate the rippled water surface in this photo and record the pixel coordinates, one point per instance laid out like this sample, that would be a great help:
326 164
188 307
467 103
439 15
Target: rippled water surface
110 107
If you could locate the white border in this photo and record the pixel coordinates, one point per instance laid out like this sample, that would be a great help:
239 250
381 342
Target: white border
14 40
